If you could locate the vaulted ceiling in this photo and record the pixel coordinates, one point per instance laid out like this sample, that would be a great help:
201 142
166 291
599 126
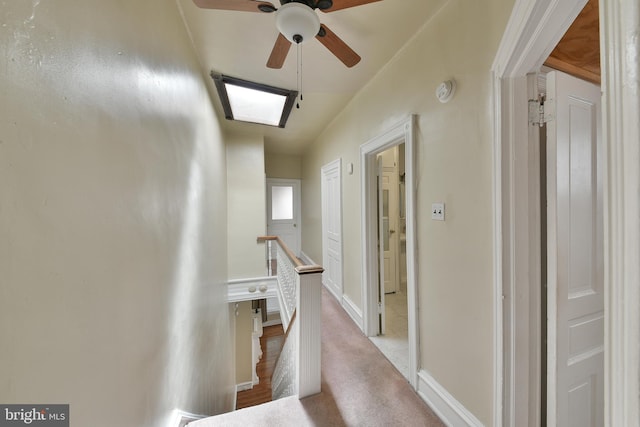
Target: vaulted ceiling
238 44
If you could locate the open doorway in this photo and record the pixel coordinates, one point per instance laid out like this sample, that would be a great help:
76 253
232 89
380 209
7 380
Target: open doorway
393 332
555 232
373 263
571 228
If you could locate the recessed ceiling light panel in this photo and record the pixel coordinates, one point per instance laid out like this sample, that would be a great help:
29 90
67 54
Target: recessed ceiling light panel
247 101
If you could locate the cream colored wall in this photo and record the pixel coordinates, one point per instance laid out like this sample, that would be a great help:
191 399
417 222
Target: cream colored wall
283 166
112 215
454 164
244 342
246 206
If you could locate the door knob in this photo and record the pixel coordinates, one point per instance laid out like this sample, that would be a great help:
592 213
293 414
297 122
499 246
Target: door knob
392 231
295 225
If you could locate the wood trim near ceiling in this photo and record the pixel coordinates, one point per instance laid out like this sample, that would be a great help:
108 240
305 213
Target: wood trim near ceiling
578 52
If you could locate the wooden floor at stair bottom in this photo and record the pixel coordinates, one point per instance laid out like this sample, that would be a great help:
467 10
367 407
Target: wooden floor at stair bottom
271 344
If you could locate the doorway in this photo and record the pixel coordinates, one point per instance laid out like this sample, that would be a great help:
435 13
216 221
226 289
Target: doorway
392 338
373 294
283 211
535 28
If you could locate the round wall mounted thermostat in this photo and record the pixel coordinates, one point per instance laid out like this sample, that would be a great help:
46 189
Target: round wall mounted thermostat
445 91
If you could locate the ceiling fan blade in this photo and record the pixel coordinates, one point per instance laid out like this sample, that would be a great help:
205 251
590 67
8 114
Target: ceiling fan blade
241 5
339 48
279 52
345 4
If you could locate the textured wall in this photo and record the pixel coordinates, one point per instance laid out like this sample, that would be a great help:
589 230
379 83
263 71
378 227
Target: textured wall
112 215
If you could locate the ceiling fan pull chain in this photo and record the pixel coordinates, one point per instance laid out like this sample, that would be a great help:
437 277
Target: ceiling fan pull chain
298 74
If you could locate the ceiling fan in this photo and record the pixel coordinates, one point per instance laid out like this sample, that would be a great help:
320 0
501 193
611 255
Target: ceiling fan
297 22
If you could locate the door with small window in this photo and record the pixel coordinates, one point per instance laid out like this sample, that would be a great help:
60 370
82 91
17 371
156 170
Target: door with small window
283 211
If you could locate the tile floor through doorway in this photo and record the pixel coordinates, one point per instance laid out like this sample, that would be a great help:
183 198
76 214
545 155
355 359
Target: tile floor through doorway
394 344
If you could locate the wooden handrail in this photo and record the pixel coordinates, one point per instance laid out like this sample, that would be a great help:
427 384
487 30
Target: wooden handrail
309 269
286 333
292 257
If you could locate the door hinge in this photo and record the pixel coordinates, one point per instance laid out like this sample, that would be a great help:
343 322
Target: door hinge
539 111
379 307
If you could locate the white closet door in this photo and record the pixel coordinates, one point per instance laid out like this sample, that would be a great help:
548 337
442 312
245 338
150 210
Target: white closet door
331 184
575 254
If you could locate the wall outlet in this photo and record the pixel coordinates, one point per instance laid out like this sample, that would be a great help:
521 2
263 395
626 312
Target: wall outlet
437 211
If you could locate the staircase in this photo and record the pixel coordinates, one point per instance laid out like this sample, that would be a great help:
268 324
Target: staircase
360 387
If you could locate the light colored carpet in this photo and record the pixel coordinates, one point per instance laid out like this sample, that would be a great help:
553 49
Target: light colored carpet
360 387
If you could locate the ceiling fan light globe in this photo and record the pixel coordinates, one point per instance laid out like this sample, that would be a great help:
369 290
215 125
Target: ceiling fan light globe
296 19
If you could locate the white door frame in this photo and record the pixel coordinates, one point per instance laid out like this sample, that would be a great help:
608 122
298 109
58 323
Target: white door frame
402 132
534 28
619 29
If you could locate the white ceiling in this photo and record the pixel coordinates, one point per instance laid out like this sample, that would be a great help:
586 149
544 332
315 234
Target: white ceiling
238 44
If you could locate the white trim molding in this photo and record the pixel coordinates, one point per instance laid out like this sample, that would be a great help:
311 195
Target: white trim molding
348 306
447 407
252 288
181 418
620 59
307 259
244 386
332 291
353 311
402 132
534 28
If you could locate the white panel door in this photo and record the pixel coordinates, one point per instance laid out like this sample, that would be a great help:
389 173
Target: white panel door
575 254
331 185
390 219
390 225
283 211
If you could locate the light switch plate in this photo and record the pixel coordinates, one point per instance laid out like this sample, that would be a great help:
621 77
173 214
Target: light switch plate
437 211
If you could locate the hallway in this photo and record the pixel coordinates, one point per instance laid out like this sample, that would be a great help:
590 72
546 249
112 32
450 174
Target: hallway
360 387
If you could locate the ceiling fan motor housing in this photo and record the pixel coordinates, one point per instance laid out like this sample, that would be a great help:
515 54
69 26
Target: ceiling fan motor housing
297 22
314 4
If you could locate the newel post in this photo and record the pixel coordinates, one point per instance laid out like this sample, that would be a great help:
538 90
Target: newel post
309 298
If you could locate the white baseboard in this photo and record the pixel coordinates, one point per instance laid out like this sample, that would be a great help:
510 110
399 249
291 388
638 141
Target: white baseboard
244 386
181 418
272 322
450 411
307 259
333 292
353 311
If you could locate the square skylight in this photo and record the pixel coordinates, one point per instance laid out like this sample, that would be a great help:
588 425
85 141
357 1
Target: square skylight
252 102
